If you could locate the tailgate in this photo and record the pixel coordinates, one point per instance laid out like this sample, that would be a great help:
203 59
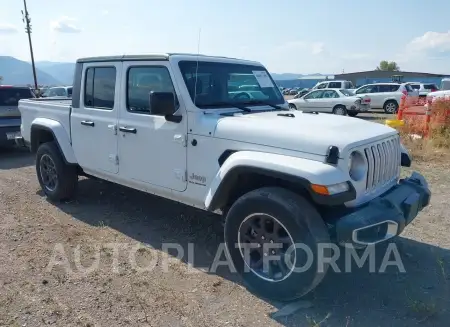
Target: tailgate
9 112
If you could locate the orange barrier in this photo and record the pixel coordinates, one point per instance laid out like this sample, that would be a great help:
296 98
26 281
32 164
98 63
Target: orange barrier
420 115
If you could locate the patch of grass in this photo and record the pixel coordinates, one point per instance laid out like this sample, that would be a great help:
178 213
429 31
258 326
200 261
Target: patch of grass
423 308
441 265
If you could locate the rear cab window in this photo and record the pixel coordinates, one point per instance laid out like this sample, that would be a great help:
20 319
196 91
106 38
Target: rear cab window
334 85
10 96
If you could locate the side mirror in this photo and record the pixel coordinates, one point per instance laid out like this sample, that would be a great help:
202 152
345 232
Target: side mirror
163 104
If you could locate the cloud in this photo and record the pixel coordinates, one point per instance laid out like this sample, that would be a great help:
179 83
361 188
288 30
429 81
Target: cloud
65 25
434 42
8 29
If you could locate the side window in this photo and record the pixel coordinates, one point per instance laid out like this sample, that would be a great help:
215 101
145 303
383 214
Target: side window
322 86
415 86
314 95
362 90
99 87
330 94
384 88
394 88
334 85
143 80
368 89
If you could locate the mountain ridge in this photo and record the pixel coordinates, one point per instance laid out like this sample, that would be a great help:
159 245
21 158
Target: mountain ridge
18 72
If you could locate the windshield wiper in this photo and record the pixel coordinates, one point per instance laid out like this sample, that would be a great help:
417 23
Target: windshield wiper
265 104
226 104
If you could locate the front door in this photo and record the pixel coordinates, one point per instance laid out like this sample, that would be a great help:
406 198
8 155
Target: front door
151 149
313 100
93 123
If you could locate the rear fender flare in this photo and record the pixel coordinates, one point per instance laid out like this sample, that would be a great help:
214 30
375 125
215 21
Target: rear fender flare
60 135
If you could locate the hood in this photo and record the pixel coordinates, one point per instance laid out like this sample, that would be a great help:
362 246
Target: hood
305 132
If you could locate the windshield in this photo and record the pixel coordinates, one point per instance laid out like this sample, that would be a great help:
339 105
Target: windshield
214 84
346 92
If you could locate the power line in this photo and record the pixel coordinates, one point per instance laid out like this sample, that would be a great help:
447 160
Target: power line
27 20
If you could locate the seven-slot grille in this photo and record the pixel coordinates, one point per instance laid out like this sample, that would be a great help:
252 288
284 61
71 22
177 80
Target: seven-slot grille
383 159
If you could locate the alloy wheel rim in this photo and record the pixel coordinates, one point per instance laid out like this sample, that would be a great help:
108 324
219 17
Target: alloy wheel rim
390 107
268 247
340 111
47 170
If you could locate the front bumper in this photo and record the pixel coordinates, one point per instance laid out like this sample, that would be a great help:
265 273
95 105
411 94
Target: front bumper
385 216
360 108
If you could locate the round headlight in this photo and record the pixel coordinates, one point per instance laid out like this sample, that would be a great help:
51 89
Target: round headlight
357 167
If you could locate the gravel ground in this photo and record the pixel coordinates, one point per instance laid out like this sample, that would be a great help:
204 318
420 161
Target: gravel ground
47 249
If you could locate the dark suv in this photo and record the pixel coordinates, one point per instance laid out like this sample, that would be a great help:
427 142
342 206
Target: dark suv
9 112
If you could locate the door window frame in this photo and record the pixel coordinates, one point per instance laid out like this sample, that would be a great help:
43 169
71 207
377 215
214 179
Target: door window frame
177 103
84 87
315 91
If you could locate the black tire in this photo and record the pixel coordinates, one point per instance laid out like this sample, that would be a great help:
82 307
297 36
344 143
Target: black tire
338 109
66 175
352 113
292 106
390 107
304 225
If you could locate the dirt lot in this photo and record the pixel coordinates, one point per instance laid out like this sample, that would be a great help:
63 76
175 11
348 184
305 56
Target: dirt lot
37 289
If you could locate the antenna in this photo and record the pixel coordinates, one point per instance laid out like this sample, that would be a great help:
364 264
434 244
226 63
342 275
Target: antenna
196 69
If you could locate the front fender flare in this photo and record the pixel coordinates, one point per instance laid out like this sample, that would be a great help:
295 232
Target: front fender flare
292 169
60 135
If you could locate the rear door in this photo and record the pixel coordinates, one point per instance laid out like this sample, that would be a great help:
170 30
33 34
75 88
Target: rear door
94 123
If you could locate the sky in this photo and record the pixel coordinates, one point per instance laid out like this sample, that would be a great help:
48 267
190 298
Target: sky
287 36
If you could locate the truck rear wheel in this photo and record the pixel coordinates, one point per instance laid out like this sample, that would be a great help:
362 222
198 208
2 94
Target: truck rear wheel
57 179
272 236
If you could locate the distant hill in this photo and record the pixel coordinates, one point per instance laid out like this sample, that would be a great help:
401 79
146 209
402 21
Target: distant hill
18 72
62 71
15 71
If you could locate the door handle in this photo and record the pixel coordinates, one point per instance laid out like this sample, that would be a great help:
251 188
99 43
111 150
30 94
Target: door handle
127 129
87 123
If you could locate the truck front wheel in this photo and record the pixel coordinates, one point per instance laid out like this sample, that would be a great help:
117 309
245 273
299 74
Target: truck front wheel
273 236
57 179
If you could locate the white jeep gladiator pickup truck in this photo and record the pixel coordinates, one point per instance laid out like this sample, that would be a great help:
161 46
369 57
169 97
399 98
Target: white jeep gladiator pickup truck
178 126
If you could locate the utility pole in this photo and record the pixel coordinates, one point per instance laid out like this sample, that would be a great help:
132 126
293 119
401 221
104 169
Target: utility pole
26 19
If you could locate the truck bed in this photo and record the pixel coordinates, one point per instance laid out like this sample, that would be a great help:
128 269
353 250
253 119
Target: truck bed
52 109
